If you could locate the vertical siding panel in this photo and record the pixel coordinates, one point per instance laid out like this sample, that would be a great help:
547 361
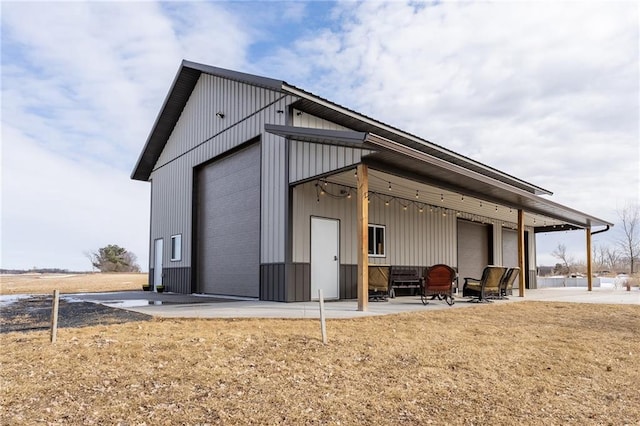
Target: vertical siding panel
199 136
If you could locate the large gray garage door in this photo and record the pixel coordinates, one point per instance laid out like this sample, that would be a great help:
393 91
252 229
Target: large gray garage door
509 248
473 249
228 225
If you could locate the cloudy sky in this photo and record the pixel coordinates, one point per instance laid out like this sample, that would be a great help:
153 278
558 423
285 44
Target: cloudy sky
546 91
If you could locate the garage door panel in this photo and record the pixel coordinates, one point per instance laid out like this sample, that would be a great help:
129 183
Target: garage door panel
509 248
473 249
229 225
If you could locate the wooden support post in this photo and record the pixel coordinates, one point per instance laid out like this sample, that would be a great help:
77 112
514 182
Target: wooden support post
323 324
363 237
54 315
521 253
589 266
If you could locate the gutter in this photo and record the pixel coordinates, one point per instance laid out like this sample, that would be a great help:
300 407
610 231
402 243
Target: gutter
602 230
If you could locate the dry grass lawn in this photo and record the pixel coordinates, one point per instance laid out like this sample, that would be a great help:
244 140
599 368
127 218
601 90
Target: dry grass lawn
70 283
520 363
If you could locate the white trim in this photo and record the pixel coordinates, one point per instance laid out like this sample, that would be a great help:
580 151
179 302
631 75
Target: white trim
384 240
176 250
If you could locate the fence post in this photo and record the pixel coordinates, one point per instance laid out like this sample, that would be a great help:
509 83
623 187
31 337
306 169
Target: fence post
54 315
323 326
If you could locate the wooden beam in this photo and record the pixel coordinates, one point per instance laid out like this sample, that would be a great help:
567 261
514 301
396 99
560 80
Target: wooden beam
363 237
521 252
589 265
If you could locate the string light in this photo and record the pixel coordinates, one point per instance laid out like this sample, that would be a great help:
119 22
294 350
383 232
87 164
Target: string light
462 198
405 203
389 186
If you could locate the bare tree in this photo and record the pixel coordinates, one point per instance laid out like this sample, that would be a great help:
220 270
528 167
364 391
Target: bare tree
612 258
630 241
599 257
560 252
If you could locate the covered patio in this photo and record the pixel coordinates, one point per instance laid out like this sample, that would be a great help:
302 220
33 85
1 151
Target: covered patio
420 179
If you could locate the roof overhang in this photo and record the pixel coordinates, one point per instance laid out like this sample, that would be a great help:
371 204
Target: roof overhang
350 119
344 138
407 162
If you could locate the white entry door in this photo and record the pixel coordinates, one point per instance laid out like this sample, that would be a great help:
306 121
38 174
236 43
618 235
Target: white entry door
325 264
157 263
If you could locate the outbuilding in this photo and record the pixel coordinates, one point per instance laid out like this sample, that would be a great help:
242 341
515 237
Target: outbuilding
261 189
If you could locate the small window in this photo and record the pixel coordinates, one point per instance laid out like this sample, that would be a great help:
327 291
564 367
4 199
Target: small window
176 248
376 241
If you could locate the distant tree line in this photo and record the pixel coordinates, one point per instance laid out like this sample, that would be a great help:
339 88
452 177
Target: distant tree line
623 257
39 271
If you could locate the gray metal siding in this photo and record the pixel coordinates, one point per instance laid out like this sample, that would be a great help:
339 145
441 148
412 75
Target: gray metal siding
309 159
413 238
171 212
198 121
200 136
229 225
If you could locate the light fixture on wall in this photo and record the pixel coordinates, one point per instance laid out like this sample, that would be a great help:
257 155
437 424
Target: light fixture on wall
220 114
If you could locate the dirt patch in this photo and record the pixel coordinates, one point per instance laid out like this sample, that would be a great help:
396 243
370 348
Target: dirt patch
34 313
523 363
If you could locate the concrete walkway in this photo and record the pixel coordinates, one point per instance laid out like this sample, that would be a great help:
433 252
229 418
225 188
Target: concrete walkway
170 305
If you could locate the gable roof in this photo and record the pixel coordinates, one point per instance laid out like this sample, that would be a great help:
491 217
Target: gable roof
361 126
189 73
181 89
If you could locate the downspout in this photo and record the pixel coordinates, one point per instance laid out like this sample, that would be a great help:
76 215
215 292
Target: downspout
589 270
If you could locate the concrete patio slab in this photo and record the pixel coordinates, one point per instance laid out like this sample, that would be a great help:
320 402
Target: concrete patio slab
169 305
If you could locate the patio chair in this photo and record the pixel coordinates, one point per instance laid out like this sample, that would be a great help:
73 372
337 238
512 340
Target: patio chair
438 281
378 283
486 286
506 285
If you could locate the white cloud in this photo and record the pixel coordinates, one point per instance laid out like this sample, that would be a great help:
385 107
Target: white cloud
82 84
55 208
545 91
